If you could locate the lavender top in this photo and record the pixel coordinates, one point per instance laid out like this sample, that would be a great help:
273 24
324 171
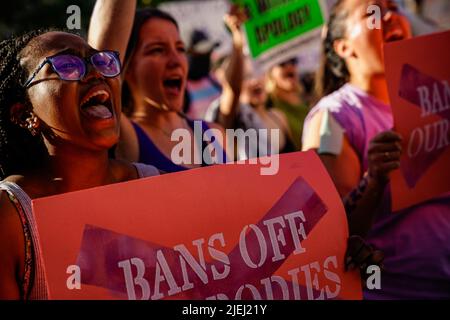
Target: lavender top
360 115
416 241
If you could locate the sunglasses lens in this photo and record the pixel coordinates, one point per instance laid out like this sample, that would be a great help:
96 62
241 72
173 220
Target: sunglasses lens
68 67
107 63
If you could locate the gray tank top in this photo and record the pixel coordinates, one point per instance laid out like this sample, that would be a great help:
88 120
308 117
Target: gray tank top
39 289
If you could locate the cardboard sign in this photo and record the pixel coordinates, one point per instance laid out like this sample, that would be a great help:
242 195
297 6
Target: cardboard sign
201 15
419 90
222 232
277 30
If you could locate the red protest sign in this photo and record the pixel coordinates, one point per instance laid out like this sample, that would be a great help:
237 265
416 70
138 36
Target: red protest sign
212 233
418 75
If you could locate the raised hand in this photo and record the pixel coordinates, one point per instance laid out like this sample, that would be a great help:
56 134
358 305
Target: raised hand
234 20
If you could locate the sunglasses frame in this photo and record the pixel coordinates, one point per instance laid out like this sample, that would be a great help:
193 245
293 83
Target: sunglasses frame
293 61
85 60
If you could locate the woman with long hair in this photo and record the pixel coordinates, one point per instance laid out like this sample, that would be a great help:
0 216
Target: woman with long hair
350 128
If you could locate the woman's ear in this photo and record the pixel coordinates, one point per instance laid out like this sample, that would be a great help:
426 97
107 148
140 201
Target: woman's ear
18 113
25 118
342 48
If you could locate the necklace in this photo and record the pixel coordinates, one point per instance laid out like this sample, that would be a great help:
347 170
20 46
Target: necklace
154 104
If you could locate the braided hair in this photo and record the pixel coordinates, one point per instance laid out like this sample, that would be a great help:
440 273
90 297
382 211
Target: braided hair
333 72
19 149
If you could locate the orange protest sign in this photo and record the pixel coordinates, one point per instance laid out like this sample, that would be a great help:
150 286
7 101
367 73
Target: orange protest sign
217 232
418 75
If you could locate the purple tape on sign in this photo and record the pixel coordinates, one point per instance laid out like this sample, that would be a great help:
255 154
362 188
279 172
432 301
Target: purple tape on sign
102 249
411 79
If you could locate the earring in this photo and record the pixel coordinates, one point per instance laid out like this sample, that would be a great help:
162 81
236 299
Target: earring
32 124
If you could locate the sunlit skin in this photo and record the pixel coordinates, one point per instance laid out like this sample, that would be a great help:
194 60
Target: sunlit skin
254 92
77 144
65 121
160 55
285 76
362 49
286 83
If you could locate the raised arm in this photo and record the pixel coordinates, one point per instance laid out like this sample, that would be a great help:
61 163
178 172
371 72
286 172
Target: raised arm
110 28
111 24
234 71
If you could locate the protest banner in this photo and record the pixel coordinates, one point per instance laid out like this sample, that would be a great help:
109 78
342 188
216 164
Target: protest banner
221 232
276 30
420 98
206 16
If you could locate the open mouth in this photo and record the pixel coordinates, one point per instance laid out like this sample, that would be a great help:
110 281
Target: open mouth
257 91
290 75
97 104
173 85
394 36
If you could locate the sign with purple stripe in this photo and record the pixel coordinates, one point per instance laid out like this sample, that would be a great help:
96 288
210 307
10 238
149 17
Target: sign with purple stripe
222 232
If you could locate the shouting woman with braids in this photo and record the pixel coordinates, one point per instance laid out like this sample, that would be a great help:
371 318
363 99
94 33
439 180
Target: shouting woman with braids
349 128
59 115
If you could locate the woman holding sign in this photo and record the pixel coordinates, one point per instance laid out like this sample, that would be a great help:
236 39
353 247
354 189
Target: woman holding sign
59 116
349 129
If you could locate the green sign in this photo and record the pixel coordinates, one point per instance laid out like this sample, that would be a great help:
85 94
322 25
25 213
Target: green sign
275 22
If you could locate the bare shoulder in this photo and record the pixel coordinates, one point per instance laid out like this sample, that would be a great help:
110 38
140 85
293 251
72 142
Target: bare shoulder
17 179
8 212
12 254
124 170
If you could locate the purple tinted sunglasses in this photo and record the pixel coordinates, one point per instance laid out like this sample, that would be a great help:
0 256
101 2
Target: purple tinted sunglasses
73 68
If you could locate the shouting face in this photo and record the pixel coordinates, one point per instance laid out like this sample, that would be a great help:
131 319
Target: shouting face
158 69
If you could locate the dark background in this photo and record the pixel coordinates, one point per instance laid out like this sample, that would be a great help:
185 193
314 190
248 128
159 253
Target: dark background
17 16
